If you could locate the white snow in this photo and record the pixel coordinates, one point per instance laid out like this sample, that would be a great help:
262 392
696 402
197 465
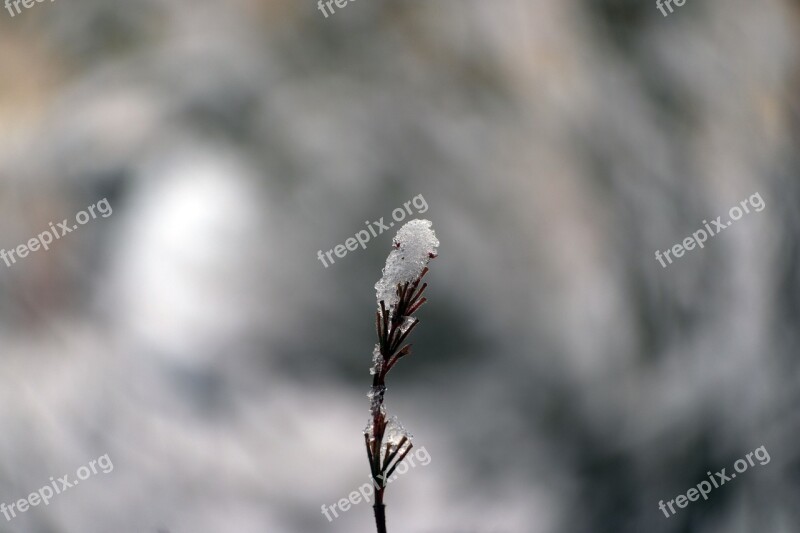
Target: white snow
394 434
377 360
415 244
375 396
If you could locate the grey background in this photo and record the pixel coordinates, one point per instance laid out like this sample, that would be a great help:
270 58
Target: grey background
561 381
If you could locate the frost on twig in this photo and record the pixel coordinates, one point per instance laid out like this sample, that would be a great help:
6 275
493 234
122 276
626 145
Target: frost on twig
414 245
399 295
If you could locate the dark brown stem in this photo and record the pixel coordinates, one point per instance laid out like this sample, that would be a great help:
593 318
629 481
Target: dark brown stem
380 511
400 460
391 335
389 456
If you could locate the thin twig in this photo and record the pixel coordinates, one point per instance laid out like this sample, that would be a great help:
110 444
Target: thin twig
392 332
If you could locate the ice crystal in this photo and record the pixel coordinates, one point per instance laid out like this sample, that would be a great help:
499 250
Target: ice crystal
407 321
414 245
394 434
377 360
375 396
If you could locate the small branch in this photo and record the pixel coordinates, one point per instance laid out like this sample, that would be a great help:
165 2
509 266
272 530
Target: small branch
393 346
389 456
400 460
405 351
393 326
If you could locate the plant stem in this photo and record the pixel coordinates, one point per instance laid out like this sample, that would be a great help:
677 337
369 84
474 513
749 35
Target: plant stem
380 511
391 335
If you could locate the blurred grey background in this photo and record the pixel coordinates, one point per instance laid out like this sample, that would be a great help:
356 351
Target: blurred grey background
561 381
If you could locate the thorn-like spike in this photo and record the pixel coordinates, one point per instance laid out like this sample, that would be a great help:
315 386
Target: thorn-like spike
399 460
